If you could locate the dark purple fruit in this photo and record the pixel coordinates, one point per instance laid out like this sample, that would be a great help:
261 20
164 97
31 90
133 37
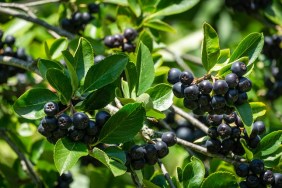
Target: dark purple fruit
186 77
277 180
151 154
85 17
257 166
191 92
212 132
224 130
254 142
218 101
231 118
190 104
92 128
128 47
130 34
173 75
231 96
178 90
205 87
252 181
239 68
64 121
118 40
76 134
101 118
109 41
51 108
162 149
59 133
267 177
238 148
220 87
232 80
138 164
242 98
49 123
259 127
242 170
137 152
185 133
169 138
204 99
10 40
244 85
80 120
214 120
93 8
43 132
213 145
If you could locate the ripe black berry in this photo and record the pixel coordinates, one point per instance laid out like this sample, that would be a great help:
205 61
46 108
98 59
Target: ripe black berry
49 123
236 132
137 152
64 121
76 134
8 51
93 8
186 77
268 177
213 145
109 41
80 120
21 54
218 101
244 85
277 180
252 181
162 149
98 58
212 132
254 142
205 87
88 139
232 80
51 108
185 133
204 99
92 129
242 170
259 127
118 40
231 96
101 118
257 166
128 47
130 34
173 75
178 90
238 148
191 92
231 118
242 98
227 145
85 17
151 154
43 132
243 184
10 40
169 138
220 87
239 68
190 104
59 133
214 120
224 130
77 18
138 164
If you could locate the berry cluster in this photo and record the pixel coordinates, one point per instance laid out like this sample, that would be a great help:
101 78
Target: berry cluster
257 176
124 41
247 5
225 133
225 93
272 46
78 127
7 48
79 20
64 180
149 154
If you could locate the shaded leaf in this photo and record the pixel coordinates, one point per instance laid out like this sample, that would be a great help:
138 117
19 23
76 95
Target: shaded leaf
220 179
245 113
161 96
193 173
57 47
258 109
160 25
69 59
44 64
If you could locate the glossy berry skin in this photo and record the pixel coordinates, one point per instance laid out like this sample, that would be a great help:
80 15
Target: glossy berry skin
190 104
191 92
64 121
109 41
98 59
185 133
92 129
257 166
178 90
238 148
173 75
151 154
101 118
239 68
220 87
267 177
76 134
118 40
49 123
93 8
212 132
252 181
244 85
161 148
128 47
51 108
218 101
43 132
242 170
231 96
204 100
277 180
232 80
213 145
254 142
224 130
137 152
130 34
59 133
236 132
66 24
226 146
259 127
80 120
138 164
169 138
186 77
10 40
214 120
205 87
77 18
85 17
231 118
242 98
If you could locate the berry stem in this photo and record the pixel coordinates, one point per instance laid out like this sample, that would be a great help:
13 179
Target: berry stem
135 178
205 77
166 174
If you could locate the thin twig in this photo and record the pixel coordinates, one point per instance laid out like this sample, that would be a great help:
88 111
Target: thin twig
18 6
166 174
178 59
40 22
135 178
191 119
35 178
165 125
118 103
42 2
30 66
112 109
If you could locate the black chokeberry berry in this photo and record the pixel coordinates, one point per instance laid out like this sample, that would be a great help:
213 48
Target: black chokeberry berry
59 133
190 104
161 148
242 170
64 121
226 146
169 138
191 92
93 8
109 41
21 54
259 127
213 145
178 90
204 99
43 132
185 133
236 132
242 98
243 184
88 139
80 120
205 87
137 152
85 17
214 120
8 51
130 34
138 164
277 180
231 96
186 77
49 123
118 40
257 166
244 85
218 101
268 177
231 118
224 130
239 68
212 132
101 118
238 149
9 40
254 142
151 154
173 75
232 80
76 134
128 47
51 108
92 128
252 181
220 87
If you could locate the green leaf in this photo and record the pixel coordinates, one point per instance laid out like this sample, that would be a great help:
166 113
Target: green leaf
210 47
176 8
258 109
159 25
146 38
193 173
250 46
58 80
273 12
145 69
69 59
161 96
220 179
83 58
131 73
245 113
67 153
222 60
116 154
123 125
135 7
57 47
145 99
179 174
44 64
116 168
226 69
105 72
269 144
249 153
155 114
30 104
